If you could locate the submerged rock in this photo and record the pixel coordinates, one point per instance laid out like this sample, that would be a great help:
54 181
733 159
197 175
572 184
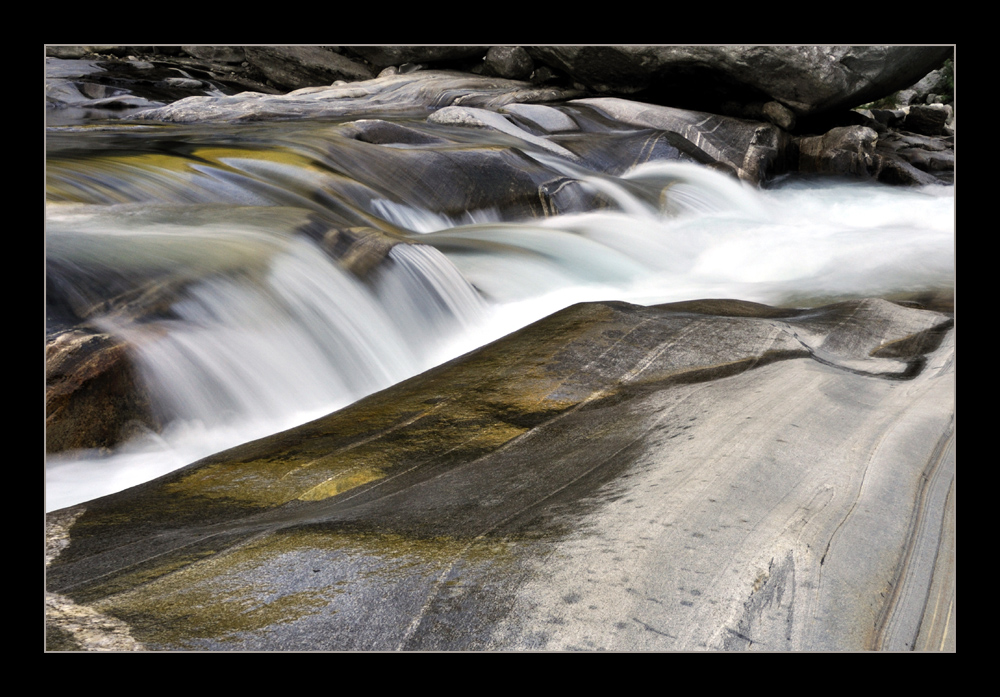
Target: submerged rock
713 474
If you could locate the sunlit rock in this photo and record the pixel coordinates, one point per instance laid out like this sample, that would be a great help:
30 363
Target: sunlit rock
715 474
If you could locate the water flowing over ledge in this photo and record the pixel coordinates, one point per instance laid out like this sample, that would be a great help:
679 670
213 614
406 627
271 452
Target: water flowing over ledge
426 367
264 326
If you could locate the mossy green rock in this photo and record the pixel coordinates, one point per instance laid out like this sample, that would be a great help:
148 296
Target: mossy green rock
713 474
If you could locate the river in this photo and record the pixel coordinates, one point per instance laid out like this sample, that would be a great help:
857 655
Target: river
264 330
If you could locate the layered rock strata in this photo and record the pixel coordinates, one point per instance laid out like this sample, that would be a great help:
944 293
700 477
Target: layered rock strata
714 474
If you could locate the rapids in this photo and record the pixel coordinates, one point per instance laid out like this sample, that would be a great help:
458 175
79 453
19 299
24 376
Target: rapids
266 330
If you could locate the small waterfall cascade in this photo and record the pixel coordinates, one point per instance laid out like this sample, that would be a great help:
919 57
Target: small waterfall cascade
204 252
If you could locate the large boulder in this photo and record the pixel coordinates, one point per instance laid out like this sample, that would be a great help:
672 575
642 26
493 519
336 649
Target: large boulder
710 474
294 67
385 56
806 79
508 61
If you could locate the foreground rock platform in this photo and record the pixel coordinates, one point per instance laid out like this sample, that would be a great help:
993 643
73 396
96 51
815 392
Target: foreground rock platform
709 475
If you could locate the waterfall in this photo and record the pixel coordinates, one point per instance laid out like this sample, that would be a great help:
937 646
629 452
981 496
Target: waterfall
258 328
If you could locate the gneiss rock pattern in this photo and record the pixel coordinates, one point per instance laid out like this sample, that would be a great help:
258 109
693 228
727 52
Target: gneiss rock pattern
754 149
710 474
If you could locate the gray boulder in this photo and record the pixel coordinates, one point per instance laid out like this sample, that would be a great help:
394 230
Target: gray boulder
217 54
384 56
806 79
294 67
512 62
844 151
929 119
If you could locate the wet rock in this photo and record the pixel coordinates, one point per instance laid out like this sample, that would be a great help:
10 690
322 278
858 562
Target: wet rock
400 94
751 150
102 88
806 80
379 132
765 477
359 249
481 118
93 397
549 119
755 146
455 181
779 115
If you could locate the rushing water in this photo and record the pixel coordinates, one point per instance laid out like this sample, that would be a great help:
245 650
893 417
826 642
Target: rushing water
264 330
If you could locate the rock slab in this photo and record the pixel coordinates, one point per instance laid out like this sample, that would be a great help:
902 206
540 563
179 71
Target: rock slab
705 475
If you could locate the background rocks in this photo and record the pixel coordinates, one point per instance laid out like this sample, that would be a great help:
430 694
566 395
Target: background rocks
803 90
806 80
294 67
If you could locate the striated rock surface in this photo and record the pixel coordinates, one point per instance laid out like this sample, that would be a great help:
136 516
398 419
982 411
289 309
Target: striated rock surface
399 94
749 149
93 395
710 474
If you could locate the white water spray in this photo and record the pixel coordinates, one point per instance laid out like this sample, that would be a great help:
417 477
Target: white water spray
270 332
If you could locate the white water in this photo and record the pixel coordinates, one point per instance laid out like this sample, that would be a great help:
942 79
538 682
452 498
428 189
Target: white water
291 336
